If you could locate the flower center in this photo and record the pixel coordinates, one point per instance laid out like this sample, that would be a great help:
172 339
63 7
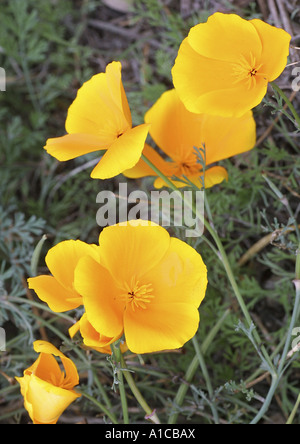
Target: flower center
61 381
247 71
186 167
137 295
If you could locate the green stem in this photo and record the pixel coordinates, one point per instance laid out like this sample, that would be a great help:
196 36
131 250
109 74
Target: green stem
293 412
137 394
24 63
237 293
223 255
298 264
288 102
117 354
277 377
284 202
100 406
205 373
192 368
123 397
291 327
267 401
36 255
161 175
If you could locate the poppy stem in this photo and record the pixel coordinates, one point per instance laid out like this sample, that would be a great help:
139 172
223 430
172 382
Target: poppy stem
36 255
192 368
282 361
223 257
294 411
298 263
238 295
206 376
150 413
117 355
102 407
288 102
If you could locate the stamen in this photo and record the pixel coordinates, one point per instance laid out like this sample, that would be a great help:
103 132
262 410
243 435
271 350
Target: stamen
185 165
137 295
247 71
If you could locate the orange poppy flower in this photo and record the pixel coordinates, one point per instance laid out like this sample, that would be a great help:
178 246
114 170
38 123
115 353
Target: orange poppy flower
100 119
150 292
47 390
58 290
177 132
224 65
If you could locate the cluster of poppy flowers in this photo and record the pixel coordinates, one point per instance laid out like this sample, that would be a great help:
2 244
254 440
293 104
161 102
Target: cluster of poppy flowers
139 283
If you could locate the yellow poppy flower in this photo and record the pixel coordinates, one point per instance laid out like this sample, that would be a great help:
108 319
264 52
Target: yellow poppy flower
58 290
47 390
100 119
224 65
147 286
177 131
92 338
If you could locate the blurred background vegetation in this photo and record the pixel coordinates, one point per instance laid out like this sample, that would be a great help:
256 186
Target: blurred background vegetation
48 49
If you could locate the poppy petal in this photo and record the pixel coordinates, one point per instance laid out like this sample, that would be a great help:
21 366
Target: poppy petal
142 169
142 246
173 128
103 307
57 400
181 276
234 136
213 176
46 348
211 75
58 297
93 339
225 37
228 103
46 366
74 329
123 154
98 108
115 85
62 259
74 145
272 38
160 327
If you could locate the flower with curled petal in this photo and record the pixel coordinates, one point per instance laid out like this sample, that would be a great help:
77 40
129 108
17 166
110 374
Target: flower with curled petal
48 390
